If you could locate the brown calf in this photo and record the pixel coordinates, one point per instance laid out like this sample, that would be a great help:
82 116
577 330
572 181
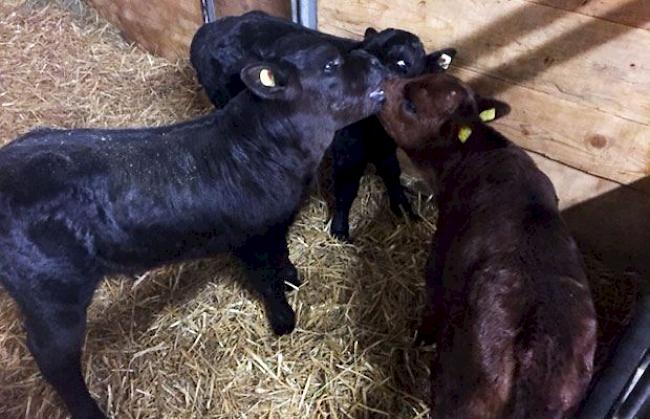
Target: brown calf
508 301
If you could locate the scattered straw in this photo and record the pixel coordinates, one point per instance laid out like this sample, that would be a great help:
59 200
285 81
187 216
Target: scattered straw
185 341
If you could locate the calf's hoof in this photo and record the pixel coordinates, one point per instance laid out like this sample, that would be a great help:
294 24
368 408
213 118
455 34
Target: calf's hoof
90 412
282 319
342 235
425 335
340 229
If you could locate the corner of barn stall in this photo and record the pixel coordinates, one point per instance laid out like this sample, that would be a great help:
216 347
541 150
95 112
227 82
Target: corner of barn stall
577 75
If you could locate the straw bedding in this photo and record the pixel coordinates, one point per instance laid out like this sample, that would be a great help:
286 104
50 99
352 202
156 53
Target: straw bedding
186 341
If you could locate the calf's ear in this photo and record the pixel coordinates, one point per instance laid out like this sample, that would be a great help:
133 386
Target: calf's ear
439 61
491 109
370 31
271 81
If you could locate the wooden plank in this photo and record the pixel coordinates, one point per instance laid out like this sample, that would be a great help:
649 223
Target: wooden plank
573 186
632 13
614 226
597 122
166 27
608 220
584 138
536 46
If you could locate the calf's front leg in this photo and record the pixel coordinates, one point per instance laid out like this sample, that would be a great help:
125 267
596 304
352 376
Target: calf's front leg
266 261
388 168
349 161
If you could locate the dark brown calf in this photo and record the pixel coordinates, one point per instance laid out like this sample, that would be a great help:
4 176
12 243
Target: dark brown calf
508 301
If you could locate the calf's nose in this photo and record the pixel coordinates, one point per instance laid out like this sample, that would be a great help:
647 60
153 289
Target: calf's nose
378 95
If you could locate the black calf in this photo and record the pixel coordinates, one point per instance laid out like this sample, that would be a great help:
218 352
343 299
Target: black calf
76 205
220 49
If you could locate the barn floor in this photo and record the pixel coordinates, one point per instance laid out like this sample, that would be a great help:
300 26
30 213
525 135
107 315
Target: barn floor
186 341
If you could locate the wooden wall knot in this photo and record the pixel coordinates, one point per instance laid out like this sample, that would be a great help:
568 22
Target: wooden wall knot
597 141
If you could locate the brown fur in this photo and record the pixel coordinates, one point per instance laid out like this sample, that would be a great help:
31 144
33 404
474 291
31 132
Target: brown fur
508 302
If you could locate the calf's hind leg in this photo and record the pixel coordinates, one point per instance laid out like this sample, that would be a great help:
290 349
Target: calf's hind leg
433 314
267 264
385 161
55 334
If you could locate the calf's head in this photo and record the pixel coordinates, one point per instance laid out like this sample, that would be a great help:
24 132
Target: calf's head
316 79
403 53
434 112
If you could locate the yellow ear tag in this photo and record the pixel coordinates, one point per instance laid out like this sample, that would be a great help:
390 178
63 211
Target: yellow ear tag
266 78
488 115
463 133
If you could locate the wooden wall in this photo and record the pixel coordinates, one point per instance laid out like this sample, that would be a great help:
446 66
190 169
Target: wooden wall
166 27
578 84
577 74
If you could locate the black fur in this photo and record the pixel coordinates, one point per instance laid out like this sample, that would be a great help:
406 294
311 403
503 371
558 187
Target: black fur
220 49
76 205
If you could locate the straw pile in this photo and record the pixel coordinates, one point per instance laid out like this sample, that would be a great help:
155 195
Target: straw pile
186 341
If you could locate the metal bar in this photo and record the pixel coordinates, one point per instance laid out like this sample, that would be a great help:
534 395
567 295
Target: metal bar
209 11
637 398
609 388
294 11
305 13
645 410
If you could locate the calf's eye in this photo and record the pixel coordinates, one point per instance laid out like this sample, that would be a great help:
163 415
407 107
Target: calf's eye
402 64
332 65
410 106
